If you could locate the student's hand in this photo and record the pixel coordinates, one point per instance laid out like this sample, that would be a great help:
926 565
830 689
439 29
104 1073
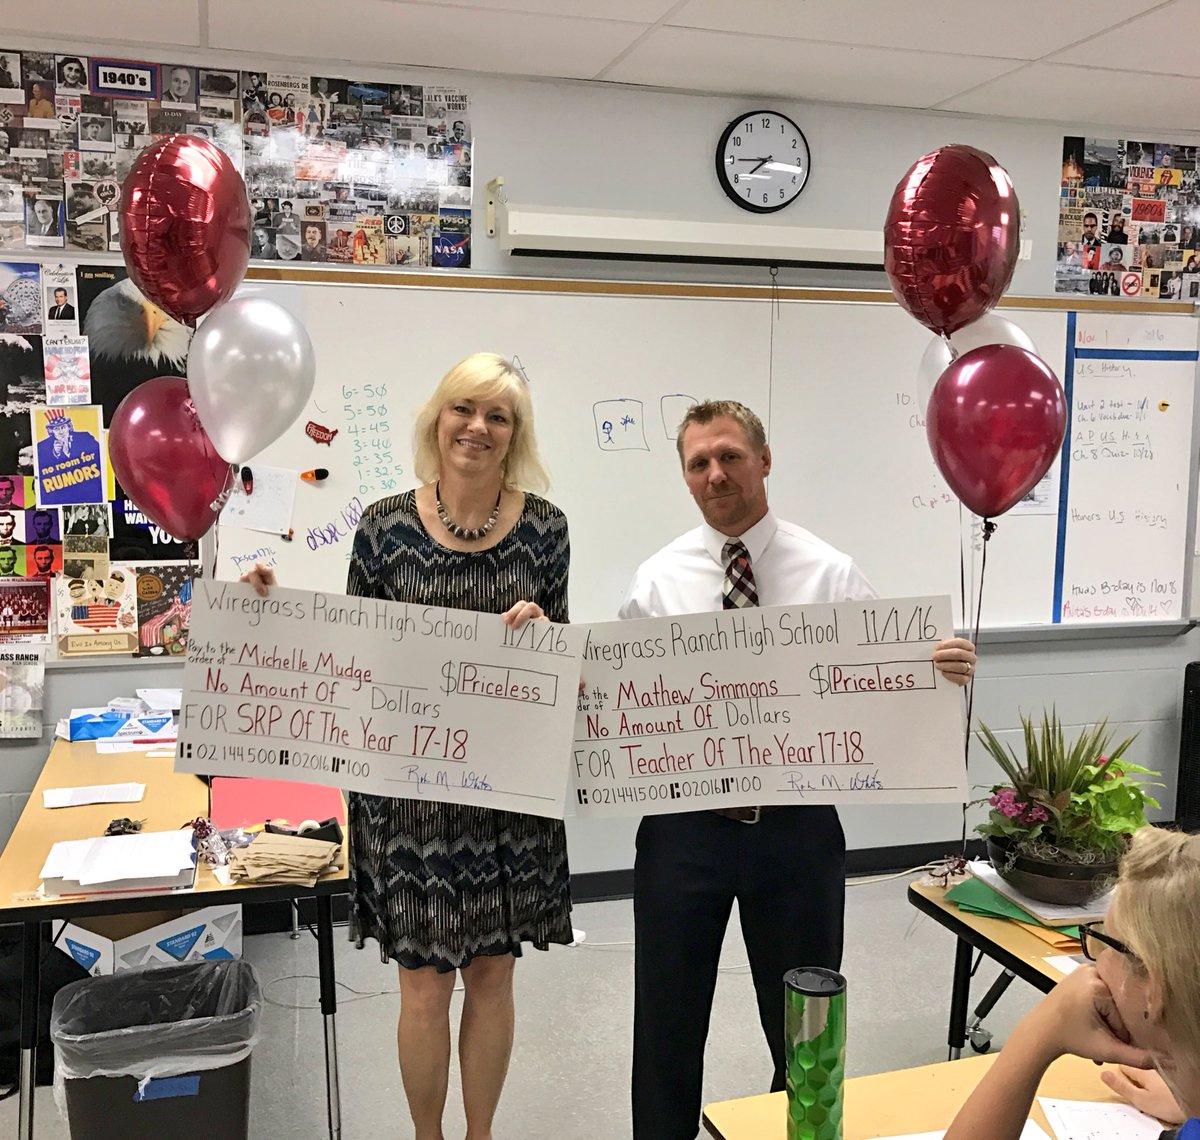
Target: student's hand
1080 1016
955 659
262 578
523 612
1145 1090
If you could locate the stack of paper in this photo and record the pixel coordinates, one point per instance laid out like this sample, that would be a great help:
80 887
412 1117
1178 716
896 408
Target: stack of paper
129 793
283 859
162 700
148 861
1050 914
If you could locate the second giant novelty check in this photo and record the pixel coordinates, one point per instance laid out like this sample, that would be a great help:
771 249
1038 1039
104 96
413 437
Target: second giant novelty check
821 704
381 697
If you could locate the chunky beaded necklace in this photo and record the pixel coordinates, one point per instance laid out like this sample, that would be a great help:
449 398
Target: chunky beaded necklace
467 534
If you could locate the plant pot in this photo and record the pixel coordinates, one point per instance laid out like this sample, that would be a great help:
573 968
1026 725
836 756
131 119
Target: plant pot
1067 884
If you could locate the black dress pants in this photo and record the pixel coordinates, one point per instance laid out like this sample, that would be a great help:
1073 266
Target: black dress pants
787 873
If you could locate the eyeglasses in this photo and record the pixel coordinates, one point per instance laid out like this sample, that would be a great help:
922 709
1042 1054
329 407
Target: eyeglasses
1093 939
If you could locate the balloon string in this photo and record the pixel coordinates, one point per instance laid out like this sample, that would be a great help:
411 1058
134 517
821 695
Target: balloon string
962 571
989 528
216 550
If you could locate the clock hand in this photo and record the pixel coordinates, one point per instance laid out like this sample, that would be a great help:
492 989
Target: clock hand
756 159
763 162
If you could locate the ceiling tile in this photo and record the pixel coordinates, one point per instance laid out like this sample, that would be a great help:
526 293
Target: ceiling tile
1016 29
712 61
1164 40
636 11
417 34
1086 95
144 21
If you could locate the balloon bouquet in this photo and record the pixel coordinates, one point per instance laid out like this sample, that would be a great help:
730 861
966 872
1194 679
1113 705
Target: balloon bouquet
185 236
995 412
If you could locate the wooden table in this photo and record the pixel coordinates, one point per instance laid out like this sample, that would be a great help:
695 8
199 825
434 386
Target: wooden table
908 1100
172 800
1019 952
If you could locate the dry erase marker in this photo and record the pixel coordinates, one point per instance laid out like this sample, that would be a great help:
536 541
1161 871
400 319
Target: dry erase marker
288 537
247 480
316 475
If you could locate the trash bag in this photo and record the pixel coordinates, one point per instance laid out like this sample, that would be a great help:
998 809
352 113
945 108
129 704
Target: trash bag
159 1022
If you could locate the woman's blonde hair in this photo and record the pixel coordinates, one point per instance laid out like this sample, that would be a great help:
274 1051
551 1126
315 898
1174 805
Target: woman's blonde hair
483 376
1158 901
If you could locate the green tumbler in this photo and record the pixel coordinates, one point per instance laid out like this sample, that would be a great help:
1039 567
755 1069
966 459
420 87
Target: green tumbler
815 1047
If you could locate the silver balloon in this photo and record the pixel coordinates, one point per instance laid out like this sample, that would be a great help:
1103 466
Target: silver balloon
988 329
250 371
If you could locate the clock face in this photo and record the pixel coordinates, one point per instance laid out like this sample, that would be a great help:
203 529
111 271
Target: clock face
763 161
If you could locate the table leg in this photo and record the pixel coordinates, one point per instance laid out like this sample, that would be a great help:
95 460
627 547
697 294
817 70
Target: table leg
329 1012
31 985
960 999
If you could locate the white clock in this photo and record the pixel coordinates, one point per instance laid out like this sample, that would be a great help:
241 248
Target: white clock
763 161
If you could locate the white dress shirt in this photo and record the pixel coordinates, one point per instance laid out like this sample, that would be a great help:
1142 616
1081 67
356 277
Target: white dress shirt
791 566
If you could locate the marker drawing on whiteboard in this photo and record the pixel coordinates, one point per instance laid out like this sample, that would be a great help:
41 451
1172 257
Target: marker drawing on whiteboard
247 480
319 433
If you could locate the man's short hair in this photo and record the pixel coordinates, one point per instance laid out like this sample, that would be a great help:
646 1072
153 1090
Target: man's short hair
1091 215
710 410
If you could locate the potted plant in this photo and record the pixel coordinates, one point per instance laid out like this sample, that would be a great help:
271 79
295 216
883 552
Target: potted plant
1058 827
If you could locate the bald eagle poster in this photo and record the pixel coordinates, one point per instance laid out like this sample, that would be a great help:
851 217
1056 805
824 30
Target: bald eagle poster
130 339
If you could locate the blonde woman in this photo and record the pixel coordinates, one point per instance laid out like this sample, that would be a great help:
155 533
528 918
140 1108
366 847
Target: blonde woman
1138 1006
447 889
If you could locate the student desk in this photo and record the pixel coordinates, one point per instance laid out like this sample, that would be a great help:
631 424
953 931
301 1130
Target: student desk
1015 949
171 800
906 1101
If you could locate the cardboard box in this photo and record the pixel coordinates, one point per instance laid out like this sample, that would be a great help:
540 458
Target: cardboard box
108 944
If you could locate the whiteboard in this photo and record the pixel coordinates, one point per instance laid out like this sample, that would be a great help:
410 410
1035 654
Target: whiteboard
834 381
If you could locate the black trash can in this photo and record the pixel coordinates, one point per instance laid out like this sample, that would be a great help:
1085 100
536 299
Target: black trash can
158 1054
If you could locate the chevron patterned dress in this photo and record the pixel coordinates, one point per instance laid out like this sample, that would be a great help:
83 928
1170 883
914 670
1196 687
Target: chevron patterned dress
439 884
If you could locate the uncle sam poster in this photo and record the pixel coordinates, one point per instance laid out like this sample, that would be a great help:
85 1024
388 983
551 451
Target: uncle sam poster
68 461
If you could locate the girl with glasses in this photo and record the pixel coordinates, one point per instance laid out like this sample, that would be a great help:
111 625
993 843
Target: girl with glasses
1137 1002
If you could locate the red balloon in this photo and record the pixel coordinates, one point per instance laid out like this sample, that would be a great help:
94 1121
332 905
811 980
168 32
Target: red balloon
952 236
185 225
164 459
995 422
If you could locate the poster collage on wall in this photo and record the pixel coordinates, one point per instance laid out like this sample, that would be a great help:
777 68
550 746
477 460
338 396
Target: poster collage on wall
80 566
1129 220
337 170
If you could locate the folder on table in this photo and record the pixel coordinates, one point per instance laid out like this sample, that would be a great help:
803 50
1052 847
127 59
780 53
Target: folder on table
976 897
246 801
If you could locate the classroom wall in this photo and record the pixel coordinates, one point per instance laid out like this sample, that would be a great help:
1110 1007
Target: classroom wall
617 148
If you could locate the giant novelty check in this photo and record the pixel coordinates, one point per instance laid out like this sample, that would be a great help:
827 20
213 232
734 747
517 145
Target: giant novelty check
822 704
380 697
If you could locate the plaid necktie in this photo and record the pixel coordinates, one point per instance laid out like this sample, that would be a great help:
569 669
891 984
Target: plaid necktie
740 590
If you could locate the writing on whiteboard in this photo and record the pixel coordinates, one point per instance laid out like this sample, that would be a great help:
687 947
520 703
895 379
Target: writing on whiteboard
1147 336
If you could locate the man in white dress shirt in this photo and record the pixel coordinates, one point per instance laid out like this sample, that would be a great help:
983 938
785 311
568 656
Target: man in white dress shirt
785 866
